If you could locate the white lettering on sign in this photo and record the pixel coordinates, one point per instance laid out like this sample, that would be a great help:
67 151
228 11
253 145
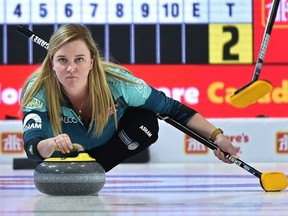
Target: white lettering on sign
193 146
10 96
12 143
282 12
188 95
283 143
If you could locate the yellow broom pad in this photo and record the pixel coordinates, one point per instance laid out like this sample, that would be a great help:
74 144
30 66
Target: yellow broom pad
250 93
274 181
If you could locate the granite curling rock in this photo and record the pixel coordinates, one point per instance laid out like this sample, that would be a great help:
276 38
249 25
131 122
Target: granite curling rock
80 175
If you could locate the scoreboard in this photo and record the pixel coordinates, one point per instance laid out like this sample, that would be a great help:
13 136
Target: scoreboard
137 31
145 31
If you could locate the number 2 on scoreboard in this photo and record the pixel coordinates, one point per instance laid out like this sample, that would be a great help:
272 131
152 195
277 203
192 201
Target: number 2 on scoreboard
230 43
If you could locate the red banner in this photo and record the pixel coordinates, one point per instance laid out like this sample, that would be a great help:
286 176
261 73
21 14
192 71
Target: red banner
204 88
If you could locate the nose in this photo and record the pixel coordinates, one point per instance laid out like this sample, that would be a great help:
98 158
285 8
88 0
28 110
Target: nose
71 68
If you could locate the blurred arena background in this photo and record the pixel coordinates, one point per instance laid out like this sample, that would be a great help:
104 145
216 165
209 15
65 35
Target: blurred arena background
198 52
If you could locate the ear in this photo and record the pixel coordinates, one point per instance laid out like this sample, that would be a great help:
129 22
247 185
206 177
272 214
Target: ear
91 63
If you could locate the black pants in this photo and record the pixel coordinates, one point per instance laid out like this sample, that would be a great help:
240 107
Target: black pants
137 130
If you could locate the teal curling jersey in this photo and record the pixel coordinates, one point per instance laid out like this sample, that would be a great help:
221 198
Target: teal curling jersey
36 119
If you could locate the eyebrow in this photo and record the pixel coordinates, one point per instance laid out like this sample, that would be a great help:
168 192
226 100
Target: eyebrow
61 56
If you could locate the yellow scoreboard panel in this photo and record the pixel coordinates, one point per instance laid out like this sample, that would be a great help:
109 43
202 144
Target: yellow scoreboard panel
230 43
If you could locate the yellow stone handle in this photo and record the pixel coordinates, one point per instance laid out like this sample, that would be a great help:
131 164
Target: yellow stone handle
76 147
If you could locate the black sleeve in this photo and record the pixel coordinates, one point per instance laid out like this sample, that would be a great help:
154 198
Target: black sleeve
36 127
31 149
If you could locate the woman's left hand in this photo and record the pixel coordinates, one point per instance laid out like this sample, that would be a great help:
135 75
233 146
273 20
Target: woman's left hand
224 145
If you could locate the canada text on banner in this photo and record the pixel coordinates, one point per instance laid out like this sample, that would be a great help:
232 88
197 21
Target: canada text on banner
204 88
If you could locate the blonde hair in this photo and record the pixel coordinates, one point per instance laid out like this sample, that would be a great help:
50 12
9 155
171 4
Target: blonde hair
99 93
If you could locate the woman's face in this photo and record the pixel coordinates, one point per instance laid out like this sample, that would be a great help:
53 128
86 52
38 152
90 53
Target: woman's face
72 63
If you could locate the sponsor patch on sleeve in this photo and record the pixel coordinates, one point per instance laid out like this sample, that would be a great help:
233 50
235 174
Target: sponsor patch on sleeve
35 104
32 121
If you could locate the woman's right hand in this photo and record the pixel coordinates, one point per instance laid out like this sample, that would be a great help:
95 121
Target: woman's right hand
62 143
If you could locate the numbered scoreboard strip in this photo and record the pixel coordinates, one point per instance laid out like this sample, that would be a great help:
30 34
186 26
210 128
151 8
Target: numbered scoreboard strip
136 31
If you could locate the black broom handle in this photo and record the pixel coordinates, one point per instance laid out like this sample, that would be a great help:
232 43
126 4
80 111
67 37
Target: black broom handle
35 38
209 144
265 40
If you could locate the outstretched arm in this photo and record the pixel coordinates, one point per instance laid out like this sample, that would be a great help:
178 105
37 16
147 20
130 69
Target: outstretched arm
203 127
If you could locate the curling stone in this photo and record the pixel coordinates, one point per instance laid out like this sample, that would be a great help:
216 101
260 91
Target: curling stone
80 175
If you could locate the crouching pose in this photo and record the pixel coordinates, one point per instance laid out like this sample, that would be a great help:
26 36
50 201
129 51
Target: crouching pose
76 97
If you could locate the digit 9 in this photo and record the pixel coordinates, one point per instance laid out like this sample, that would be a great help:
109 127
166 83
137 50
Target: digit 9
145 9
